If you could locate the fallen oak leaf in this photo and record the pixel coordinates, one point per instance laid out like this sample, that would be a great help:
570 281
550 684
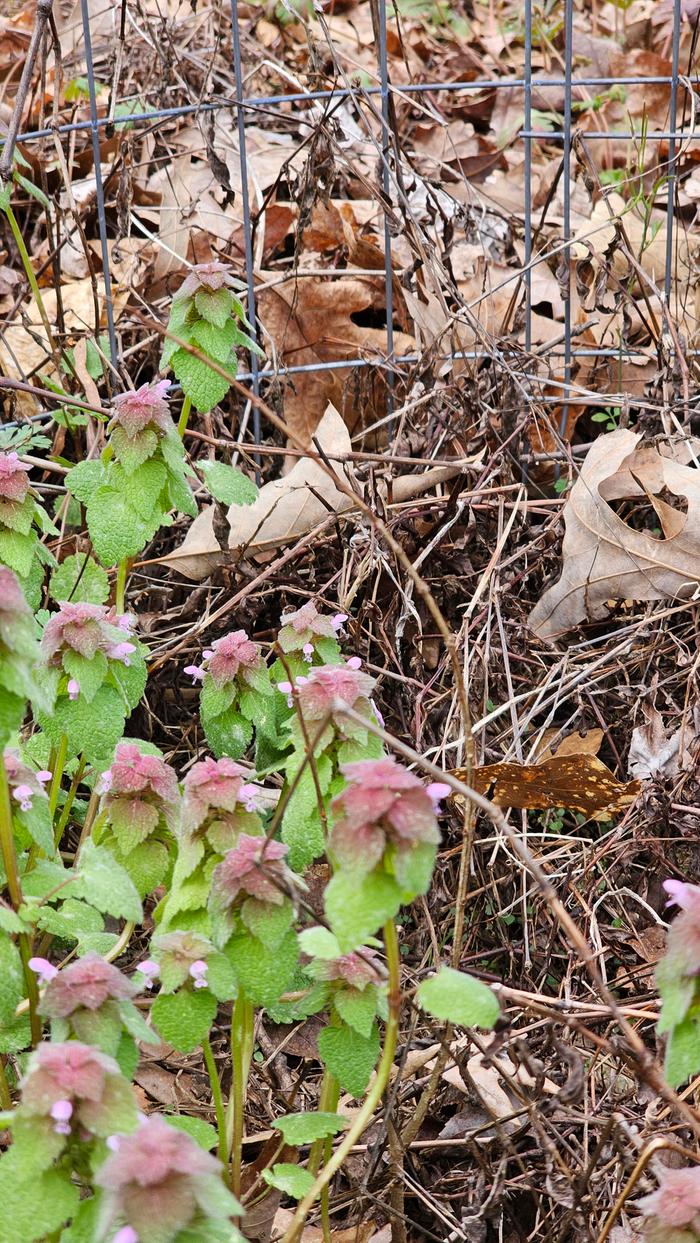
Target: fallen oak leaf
577 782
606 559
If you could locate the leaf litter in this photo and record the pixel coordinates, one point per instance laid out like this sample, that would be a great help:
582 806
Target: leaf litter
583 638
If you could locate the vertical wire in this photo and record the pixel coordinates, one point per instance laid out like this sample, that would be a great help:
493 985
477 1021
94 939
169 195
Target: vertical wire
566 254
386 186
99 188
245 202
527 119
675 54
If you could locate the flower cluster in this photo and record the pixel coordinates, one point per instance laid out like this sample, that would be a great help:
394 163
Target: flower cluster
674 1208
356 970
383 808
232 658
80 634
254 869
146 408
158 1182
177 958
74 1086
206 278
301 630
25 784
325 694
86 984
220 803
14 484
138 793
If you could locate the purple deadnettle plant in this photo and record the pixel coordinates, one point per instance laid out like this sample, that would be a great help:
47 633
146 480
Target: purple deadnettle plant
20 546
678 981
236 694
139 815
673 1210
76 1089
92 1001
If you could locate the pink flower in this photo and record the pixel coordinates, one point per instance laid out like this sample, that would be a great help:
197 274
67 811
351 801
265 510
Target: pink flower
249 795
195 672
232 655
215 802
44 775
338 622
85 984
308 650
121 652
299 629
382 805
62 1112
25 785
150 970
198 971
437 791
147 407
78 1075
73 688
328 689
181 956
138 790
676 1202
254 868
43 968
357 970
126 1235
14 481
209 276
160 1179
82 628
684 895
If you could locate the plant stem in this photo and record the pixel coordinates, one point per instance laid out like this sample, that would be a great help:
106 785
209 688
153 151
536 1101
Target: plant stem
70 799
374 1095
241 1054
59 763
327 1103
9 858
5 1098
217 1098
29 272
120 593
184 416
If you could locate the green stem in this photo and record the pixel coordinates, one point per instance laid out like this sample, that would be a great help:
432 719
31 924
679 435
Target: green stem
327 1103
70 799
9 858
241 1055
217 1098
29 272
59 765
5 1097
120 594
374 1096
184 416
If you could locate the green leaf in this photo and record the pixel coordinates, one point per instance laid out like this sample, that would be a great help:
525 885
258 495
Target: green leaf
179 494
12 709
263 974
147 866
683 1051
357 906
302 830
304 1128
184 1019
677 991
10 921
349 1056
89 674
358 1008
128 1056
71 920
132 452
79 579
204 387
227 734
319 943
459 998
199 1130
215 306
215 341
270 924
130 680
293 1180
227 484
94 728
181 315
18 551
107 885
83 1228
36 1208
221 978
84 480
213 699
11 979
414 869
136 1024
142 487
16 1035
115 528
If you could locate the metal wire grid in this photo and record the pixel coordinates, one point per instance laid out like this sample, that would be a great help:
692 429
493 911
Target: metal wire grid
242 105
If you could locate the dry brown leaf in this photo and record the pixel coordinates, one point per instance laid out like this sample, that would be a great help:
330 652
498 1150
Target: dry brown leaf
654 754
200 551
578 782
485 1081
606 559
310 321
574 744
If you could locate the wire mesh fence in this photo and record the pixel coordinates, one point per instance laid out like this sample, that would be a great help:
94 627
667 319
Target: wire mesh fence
580 206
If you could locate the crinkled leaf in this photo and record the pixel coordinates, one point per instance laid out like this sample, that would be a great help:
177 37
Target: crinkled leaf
227 734
349 1056
84 480
305 1128
15 1035
214 306
683 1051
130 680
357 1007
117 531
147 865
459 998
215 340
18 551
204 387
79 579
319 943
142 487
357 906
70 920
270 924
35 1209
89 674
227 484
107 885
94 728
11 979
184 1019
263 974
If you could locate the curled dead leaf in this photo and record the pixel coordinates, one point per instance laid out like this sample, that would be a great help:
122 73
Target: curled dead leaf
578 782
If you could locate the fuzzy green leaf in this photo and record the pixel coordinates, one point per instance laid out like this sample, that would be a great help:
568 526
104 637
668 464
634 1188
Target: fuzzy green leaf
227 484
204 387
270 924
357 906
107 885
199 1130
79 579
94 728
184 1019
11 979
349 1056
263 974
459 998
147 865
36 1208
683 1051
293 1180
227 734
305 1128
84 480
142 487
216 341
72 919
357 1007
15 1035
18 551
319 943
117 531
89 674
215 307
